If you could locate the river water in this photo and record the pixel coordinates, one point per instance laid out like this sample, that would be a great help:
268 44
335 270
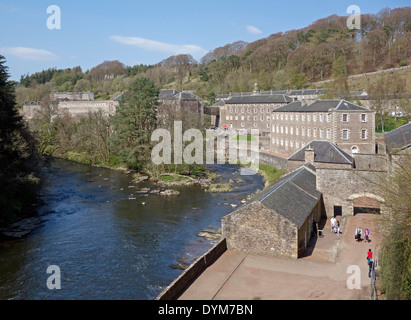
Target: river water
107 246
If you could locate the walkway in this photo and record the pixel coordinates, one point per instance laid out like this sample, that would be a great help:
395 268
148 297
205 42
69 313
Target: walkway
322 275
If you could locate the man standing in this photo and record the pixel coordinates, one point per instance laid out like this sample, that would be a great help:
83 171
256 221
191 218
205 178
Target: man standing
358 233
370 268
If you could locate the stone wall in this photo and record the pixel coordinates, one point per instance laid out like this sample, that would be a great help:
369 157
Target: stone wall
178 286
257 229
340 187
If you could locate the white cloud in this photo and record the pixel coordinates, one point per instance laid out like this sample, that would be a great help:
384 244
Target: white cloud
253 30
28 53
152 45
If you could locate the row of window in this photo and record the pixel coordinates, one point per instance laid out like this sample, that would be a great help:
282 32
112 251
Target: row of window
249 118
251 110
345 134
345 117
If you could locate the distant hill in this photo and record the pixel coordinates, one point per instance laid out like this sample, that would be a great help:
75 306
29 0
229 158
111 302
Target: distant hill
293 59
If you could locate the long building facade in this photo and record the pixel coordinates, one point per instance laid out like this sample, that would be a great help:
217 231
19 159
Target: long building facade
348 126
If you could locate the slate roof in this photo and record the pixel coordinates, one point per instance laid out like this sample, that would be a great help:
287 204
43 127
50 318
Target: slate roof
399 138
293 196
172 94
260 99
325 152
321 106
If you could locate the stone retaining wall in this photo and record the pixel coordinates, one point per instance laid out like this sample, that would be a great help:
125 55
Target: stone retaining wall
177 287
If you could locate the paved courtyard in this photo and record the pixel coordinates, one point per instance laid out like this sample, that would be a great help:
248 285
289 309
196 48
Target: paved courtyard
320 275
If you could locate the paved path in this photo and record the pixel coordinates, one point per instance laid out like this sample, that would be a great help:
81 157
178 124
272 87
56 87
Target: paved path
321 275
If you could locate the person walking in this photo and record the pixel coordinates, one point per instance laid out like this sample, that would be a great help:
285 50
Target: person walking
369 255
333 221
337 228
367 235
370 268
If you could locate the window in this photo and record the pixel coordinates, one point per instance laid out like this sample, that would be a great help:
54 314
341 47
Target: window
303 117
277 116
363 134
248 110
315 132
282 129
242 110
315 117
345 134
296 131
282 117
328 133
242 118
268 110
291 117
297 116
308 132
255 125
321 133
291 130
286 130
308 117
236 110
242 125
262 118
268 118
248 118
255 110
231 110
328 117
303 131
286 116
345 117
236 117
297 144
321 117
364 117
227 118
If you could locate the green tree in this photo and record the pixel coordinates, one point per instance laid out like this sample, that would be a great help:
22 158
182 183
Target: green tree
298 80
17 182
134 122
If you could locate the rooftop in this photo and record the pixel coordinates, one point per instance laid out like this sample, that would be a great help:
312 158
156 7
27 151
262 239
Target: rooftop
399 138
321 106
293 196
260 99
325 152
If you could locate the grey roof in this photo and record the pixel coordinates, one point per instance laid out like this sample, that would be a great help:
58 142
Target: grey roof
293 196
399 138
260 99
167 93
325 152
172 94
321 106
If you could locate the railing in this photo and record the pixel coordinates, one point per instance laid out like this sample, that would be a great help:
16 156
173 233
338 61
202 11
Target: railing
373 293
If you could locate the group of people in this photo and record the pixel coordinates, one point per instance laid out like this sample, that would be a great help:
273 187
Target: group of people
335 226
358 235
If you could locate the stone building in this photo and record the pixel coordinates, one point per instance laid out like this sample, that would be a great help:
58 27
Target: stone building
348 126
250 112
83 96
179 106
279 220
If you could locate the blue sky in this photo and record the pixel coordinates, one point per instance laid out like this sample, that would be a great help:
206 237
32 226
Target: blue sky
147 32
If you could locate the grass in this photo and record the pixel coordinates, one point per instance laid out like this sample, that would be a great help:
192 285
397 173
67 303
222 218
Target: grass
270 174
389 123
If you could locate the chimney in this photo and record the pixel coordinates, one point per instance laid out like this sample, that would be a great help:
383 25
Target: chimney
309 155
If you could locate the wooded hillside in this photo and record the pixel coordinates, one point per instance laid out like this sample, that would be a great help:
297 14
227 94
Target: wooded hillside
291 59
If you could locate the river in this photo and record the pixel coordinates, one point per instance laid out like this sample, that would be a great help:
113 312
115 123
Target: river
107 246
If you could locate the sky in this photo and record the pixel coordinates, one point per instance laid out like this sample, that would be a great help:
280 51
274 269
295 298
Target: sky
86 33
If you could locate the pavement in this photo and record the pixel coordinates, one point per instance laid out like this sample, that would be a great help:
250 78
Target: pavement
322 274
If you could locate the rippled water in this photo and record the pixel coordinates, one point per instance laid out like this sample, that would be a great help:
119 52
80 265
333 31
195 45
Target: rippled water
107 246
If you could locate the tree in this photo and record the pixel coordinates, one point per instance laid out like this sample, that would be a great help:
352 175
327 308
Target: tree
134 122
395 258
17 181
298 80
